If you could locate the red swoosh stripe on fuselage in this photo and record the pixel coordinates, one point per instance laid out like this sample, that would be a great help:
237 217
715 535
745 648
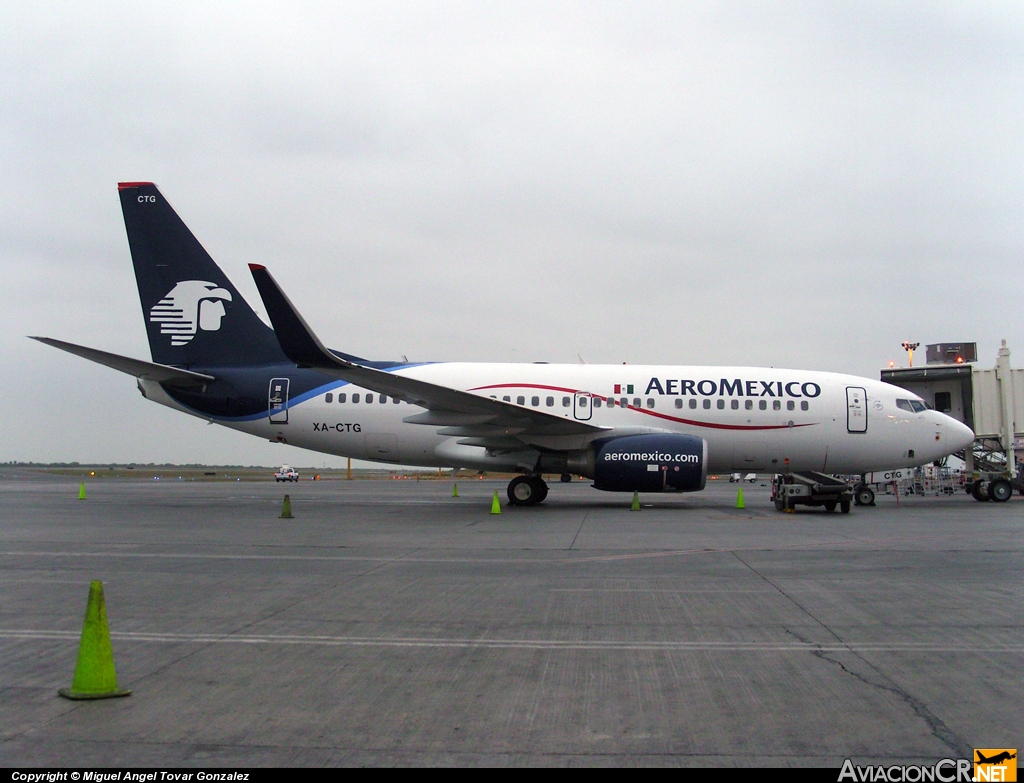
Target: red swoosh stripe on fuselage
694 422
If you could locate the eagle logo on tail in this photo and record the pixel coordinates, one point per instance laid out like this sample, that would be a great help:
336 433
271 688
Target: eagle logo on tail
189 306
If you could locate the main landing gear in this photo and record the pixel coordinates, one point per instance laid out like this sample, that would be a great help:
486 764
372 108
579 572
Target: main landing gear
527 491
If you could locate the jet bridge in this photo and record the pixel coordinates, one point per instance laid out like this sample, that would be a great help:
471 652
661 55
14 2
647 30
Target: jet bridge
985 400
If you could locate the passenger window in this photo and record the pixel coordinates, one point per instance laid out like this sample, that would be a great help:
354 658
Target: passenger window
748 404
520 400
506 398
693 403
650 402
535 401
369 398
762 405
355 397
566 402
707 404
735 405
550 401
721 404
679 402
583 402
803 405
395 400
341 397
383 399
623 402
328 397
636 402
790 405
776 405
597 402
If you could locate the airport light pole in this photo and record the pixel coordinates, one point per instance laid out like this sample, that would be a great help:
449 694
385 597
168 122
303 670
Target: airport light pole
910 348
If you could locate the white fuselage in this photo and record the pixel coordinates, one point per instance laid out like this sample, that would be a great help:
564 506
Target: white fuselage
756 419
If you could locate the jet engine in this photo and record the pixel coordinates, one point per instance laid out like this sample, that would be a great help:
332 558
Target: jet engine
654 462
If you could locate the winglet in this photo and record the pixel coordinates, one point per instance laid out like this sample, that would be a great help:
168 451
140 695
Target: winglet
297 340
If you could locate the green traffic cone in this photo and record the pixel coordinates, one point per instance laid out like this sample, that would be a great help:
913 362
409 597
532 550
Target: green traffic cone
81 491
455 490
495 505
739 499
286 508
636 502
95 677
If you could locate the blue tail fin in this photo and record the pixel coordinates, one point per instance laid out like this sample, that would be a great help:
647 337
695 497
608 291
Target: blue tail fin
194 315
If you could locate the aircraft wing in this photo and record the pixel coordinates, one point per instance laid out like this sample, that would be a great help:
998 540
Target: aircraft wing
464 412
162 373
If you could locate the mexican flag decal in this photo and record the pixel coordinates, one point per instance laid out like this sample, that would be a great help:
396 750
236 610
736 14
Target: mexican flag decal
623 388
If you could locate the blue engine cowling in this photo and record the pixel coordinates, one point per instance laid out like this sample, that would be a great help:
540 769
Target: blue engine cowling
651 463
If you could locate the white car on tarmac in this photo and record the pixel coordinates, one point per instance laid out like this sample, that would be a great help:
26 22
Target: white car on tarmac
286 473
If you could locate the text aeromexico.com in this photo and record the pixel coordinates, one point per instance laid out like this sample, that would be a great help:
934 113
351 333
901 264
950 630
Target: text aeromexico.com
654 457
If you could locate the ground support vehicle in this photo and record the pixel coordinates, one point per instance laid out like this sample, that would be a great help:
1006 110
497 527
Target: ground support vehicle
811 489
286 474
990 478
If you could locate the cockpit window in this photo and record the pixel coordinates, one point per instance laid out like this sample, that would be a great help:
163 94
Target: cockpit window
914 406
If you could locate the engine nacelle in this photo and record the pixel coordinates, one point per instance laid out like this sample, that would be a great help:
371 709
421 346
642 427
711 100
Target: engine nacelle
651 463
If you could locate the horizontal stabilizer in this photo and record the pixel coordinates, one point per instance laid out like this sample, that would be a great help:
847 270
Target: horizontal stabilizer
302 346
161 373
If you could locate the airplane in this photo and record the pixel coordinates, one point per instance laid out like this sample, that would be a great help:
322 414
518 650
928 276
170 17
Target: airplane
996 759
628 428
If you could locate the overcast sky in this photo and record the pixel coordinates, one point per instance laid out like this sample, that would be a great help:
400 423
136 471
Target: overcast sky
802 185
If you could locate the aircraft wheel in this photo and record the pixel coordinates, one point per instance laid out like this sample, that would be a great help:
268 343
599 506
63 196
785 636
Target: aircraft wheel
542 488
830 506
566 478
844 506
527 490
976 491
1000 490
865 496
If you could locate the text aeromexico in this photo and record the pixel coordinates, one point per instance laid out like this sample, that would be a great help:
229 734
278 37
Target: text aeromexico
736 387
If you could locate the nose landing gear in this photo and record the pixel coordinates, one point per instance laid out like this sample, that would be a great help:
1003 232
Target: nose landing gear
864 496
527 491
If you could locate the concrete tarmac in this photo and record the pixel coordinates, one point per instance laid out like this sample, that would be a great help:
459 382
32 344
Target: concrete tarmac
389 623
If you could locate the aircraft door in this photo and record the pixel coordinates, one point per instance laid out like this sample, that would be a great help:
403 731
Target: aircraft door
856 409
582 406
277 400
